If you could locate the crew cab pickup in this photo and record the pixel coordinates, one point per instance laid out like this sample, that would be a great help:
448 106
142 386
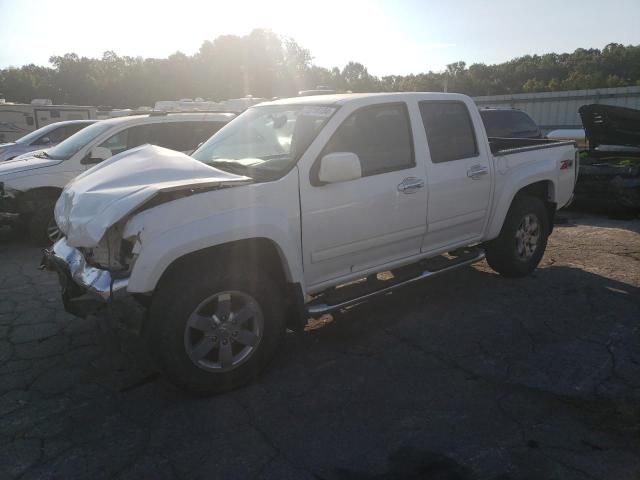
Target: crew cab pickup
291 211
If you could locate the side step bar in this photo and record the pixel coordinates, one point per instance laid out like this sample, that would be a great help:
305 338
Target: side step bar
323 308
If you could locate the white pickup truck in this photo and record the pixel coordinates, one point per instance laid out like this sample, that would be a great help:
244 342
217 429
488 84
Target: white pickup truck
31 183
277 216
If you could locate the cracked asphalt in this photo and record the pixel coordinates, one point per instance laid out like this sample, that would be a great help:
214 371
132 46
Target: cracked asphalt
470 376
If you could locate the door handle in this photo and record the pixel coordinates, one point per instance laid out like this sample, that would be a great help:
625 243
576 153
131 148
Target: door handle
477 171
410 185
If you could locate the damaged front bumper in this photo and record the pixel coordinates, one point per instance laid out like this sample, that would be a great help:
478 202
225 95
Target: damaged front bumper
85 289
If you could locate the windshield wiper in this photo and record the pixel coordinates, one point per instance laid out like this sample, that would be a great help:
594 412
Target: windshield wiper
42 154
233 167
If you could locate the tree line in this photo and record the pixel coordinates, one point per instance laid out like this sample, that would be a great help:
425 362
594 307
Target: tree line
264 64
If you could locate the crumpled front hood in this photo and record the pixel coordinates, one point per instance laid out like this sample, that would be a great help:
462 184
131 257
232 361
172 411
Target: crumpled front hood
25 163
111 190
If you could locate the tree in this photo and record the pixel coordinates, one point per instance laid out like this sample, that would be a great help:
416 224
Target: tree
264 64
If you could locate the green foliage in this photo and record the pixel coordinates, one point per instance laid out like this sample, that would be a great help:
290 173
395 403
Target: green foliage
265 65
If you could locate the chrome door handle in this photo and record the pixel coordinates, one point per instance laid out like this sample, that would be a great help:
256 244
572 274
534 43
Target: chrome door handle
477 171
410 185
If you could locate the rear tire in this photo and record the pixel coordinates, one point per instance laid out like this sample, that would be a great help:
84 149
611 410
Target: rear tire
190 311
523 238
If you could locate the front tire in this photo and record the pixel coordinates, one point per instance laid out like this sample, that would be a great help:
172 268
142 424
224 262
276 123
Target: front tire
523 239
42 225
216 332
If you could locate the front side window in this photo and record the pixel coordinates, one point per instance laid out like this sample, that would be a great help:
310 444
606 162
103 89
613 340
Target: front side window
264 142
72 145
54 136
117 143
141 134
379 135
35 137
449 130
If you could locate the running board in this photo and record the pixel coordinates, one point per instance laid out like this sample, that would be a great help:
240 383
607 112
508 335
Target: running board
323 308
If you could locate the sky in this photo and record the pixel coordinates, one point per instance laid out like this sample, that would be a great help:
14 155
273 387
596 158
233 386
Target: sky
388 37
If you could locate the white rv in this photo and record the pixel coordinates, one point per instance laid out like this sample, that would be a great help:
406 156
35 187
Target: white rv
18 119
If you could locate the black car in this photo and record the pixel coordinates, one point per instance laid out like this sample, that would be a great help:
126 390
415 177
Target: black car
610 168
509 123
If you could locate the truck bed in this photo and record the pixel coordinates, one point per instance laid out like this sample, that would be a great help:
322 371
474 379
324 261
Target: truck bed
505 146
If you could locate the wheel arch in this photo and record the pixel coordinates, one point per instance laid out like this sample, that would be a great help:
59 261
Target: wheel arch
544 189
258 252
28 198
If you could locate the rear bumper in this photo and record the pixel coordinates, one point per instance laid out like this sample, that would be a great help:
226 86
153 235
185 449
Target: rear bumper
85 289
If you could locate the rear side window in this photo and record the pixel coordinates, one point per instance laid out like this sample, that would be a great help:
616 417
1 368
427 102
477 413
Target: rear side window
381 137
449 130
186 136
179 136
509 124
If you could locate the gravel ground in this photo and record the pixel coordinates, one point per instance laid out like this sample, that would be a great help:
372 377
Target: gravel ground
471 376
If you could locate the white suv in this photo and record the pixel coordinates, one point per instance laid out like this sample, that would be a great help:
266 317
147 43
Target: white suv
31 183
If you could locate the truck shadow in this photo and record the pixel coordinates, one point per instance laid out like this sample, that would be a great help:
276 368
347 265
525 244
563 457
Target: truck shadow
408 463
480 288
383 383
563 338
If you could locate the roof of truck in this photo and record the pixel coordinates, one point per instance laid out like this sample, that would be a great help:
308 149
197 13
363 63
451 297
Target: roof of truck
343 98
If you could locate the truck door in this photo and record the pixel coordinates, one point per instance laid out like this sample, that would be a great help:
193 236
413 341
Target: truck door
350 226
459 175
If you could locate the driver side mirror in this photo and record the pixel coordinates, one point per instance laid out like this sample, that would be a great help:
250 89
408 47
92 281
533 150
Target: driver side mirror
339 167
96 155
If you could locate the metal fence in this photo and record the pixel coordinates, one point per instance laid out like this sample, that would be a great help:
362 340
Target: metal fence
553 110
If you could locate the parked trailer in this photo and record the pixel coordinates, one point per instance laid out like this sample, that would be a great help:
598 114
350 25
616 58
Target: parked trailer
559 110
18 119
236 105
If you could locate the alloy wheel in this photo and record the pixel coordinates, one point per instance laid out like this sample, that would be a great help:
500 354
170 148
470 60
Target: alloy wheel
224 331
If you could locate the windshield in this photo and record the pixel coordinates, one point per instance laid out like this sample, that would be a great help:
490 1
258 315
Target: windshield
66 149
30 137
264 142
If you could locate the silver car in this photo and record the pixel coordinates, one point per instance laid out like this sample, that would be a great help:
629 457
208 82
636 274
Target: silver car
44 137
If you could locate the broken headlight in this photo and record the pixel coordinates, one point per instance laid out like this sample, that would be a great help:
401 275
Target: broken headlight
113 253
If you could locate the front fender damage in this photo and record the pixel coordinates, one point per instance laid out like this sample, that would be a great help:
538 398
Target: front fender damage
128 183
